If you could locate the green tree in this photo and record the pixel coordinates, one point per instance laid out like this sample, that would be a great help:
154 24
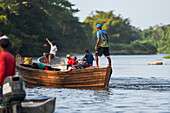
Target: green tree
118 29
159 36
28 23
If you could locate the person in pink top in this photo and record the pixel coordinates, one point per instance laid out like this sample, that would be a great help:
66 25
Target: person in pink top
7 61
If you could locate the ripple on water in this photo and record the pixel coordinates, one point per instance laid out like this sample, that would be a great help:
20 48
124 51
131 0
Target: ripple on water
138 83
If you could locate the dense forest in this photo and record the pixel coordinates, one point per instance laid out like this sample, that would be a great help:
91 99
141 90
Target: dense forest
27 24
159 36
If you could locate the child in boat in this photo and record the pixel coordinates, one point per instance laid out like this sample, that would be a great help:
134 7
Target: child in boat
70 62
53 51
75 58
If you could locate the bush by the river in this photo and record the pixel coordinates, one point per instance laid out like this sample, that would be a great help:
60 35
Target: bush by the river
167 57
137 47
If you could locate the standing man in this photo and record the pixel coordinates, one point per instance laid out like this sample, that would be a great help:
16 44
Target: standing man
7 61
53 51
102 45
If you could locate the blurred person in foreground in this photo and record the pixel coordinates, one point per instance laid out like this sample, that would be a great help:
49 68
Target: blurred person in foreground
7 61
102 45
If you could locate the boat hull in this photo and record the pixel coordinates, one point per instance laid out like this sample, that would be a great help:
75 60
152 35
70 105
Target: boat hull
79 78
36 106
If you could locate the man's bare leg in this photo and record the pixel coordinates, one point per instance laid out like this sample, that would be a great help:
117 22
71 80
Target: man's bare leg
44 54
97 65
49 57
109 60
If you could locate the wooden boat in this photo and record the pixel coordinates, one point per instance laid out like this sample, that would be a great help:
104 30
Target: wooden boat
79 78
155 63
36 106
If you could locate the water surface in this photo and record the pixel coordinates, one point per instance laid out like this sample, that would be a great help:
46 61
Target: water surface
135 87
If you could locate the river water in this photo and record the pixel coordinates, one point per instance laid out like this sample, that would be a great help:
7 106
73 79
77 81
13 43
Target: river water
135 87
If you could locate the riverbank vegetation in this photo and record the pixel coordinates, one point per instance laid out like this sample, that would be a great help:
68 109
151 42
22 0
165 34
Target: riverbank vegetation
126 39
167 57
28 23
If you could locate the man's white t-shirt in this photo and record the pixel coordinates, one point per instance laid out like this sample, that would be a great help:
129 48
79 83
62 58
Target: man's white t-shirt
53 50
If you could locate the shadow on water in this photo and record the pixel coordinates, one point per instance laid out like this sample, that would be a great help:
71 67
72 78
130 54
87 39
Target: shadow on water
137 83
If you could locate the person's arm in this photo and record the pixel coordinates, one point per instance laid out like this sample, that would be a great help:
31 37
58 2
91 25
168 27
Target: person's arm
98 40
78 60
107 40
57 54
48 41
13 73
84 56
2 70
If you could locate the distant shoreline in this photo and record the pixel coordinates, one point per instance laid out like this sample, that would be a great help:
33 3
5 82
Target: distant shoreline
63 54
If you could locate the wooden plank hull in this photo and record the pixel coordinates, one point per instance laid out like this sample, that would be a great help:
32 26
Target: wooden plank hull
80 78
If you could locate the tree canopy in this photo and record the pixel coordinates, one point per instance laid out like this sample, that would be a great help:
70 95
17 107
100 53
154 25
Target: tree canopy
159 36
118 29
28 22
149 41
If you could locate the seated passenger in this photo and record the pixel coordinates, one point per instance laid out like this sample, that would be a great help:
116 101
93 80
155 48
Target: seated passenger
42 66
27 60
70 61
89 58
53 51
37 65
75 58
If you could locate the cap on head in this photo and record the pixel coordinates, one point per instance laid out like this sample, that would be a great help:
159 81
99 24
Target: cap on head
67 55
4 42
3 37
53 42
99 26
86 50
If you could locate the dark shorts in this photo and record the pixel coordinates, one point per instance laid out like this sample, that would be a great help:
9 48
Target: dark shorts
52 55
103 50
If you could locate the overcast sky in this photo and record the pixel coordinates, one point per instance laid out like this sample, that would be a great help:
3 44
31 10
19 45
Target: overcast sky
142 13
